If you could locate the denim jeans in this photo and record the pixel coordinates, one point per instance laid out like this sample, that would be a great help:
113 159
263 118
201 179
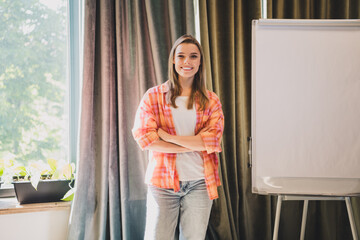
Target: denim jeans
190 207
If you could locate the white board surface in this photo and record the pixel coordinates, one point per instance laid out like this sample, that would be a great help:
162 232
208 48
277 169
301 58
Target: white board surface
306 107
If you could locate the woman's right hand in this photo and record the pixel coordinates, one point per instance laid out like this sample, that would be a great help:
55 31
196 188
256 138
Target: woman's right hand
163 135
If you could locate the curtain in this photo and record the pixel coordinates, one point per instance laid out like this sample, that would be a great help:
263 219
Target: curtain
313 9
126 48
226 38
238 214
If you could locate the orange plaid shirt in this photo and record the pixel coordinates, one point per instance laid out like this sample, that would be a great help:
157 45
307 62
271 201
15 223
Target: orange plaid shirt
154 112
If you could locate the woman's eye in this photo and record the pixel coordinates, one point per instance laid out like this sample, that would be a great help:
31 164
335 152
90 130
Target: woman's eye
180 56
194 56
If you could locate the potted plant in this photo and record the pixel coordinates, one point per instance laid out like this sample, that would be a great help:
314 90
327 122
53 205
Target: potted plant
43 182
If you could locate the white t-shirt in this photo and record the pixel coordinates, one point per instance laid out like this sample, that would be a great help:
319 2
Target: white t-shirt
190 165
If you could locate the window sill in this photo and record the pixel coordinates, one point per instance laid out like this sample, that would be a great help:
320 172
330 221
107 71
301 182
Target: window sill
12 206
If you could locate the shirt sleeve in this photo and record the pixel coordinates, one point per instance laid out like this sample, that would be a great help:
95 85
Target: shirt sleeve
145 125
215 123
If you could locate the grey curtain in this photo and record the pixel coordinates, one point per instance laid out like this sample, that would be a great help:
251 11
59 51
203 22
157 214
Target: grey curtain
126 48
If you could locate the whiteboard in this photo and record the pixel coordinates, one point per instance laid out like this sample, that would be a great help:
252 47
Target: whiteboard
305 116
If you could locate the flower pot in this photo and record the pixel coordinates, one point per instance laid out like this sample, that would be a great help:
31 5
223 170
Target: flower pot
47 191
20 178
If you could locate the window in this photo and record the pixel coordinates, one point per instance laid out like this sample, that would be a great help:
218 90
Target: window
39 91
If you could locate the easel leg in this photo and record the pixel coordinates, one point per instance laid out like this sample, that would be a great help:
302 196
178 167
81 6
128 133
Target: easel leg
351 218
277 217
304 217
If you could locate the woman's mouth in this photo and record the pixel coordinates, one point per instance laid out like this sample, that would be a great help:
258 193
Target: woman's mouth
187 68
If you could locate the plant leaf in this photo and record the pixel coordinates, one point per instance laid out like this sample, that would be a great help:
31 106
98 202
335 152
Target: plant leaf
56 174
20 171
53 164
44 172
2 166
35 179
69 196
72 168
67 173
9 163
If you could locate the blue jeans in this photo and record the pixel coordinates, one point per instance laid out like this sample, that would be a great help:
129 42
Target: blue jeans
190 206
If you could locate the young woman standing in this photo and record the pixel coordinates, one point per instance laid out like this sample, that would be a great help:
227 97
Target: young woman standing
181 123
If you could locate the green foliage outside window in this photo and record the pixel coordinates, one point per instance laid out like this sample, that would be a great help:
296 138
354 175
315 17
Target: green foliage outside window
33 80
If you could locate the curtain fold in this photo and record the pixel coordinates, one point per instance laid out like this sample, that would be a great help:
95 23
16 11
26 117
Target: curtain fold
98 134
226 38
126 48
313 9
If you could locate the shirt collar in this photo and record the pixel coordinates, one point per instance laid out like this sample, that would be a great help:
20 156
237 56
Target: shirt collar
165 87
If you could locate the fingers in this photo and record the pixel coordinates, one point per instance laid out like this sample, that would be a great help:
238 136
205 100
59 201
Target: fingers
162 134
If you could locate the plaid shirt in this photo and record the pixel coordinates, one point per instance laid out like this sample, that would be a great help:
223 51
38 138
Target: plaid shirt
154 112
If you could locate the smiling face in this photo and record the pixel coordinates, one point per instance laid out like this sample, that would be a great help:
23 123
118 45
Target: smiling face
187 59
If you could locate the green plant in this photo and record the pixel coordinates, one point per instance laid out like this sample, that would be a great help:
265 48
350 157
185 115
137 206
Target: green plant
7 168
2 167
37 171
69 173
69 196
20 173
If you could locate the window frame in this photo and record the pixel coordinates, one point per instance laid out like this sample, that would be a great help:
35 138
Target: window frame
76 36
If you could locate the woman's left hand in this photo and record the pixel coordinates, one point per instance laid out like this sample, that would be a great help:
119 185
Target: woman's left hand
163 135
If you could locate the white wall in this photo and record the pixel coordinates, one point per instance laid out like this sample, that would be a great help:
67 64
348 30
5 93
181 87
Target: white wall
44 225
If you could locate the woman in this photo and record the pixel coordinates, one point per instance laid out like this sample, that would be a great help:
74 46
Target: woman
181 124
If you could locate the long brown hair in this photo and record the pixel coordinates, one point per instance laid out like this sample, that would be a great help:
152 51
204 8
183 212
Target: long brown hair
198 89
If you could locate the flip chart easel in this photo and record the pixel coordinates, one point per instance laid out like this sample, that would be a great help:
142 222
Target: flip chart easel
305 110
306 200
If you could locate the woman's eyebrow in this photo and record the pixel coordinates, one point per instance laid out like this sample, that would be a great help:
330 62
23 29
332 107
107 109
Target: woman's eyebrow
193 53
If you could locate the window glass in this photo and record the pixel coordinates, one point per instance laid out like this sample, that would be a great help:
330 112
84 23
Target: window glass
34 96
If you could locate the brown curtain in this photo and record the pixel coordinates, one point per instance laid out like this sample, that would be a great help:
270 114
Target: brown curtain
126 47
313 9
226 38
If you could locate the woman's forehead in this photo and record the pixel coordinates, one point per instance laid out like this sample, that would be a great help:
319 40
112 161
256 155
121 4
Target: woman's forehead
187 48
